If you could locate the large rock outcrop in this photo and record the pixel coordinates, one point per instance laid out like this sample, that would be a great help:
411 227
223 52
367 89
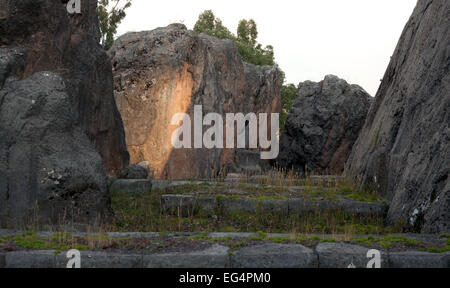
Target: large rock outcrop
60 130
169 70
53 40
322 126
403 148
49 170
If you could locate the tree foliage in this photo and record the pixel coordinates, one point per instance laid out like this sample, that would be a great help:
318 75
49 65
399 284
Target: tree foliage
247 31
246 40
209 24
288 95
110 14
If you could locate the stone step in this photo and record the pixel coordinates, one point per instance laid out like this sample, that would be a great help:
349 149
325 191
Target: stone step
132 187
267 255
165 184
216 250
189 205
235 180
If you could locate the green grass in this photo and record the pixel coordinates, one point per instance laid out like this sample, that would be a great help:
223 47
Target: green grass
203 236
391 241
239 244
443 236
58 241
143 213
280 240
65 241
280 189
438 250
441 249
260 237
220 239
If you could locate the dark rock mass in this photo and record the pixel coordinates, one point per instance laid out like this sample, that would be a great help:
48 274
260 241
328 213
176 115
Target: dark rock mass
135 172
167 71
48 166
322 126
403 149
60 130
53 40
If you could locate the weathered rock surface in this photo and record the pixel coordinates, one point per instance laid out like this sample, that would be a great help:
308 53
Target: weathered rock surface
102 260
42 36
188 205
131 187
213 257
275 256
48 166
169 70
60 130
416 259
32 259
322 126
403 148
134 171
342 255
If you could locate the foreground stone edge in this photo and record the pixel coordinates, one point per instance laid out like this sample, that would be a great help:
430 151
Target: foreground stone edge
266 255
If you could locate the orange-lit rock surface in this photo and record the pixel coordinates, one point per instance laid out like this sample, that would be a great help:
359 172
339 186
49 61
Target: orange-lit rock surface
169 70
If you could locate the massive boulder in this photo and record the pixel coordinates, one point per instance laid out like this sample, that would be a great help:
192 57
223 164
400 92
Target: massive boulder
60 130
169 70
49 170
53 40
403 149
324 122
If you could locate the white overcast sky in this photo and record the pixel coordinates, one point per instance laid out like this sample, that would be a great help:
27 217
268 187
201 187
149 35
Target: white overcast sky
352 39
